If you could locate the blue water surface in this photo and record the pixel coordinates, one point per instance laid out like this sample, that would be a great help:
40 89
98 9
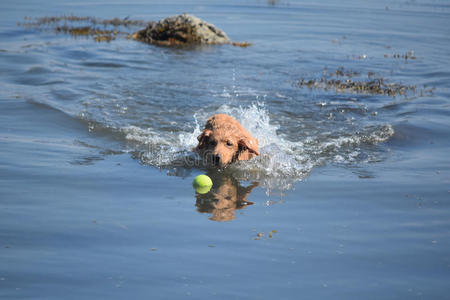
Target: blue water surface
350 198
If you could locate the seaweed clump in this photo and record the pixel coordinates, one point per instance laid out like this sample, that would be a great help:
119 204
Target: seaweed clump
99 35
94 21
372 86
408 55
100 30
242 44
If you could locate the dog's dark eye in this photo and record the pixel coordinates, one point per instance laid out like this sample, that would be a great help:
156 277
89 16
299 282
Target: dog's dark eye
212 143
229 144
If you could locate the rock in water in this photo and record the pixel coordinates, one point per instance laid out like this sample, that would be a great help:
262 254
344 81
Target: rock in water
181 30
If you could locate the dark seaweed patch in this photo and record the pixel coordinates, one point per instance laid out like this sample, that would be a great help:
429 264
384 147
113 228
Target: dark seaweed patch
408 55
116 22
341 82
100 30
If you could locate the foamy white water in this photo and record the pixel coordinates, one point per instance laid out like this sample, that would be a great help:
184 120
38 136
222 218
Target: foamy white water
281 161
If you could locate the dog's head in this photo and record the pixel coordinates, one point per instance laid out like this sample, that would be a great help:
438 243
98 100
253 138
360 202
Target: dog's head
224 141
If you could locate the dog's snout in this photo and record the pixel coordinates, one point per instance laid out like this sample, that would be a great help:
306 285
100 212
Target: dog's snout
217 158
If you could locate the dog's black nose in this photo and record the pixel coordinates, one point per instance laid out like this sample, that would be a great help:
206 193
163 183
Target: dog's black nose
217 158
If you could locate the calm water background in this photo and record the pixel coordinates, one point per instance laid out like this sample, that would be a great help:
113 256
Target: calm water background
353 195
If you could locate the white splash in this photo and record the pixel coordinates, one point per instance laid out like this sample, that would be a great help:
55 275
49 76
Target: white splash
281 161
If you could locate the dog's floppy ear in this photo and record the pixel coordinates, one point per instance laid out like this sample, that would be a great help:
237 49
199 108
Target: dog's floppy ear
203 137
249 144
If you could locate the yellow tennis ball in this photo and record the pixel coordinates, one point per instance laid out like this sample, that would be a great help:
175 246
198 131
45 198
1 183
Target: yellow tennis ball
202 181
202 189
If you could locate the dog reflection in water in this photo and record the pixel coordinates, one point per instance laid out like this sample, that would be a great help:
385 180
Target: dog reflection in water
225 196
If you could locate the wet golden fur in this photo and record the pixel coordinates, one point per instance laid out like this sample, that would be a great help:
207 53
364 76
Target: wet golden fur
224 141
